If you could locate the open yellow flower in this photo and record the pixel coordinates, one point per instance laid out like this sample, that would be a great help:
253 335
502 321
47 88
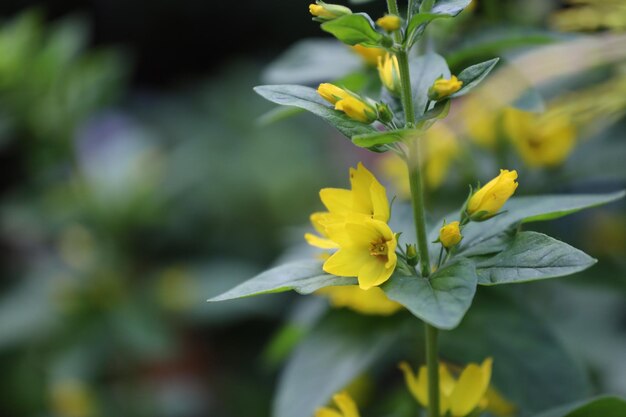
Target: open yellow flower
389 22
367 250
346 407
369 55
458 397
490 198
331 92
443 88
366 197
389 73
371 302
450 235
541 140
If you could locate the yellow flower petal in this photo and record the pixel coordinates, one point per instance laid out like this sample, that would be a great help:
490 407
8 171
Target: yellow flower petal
372 301
346 262
327 412
320 242
470 388
337 200
373 273
417 385
346 405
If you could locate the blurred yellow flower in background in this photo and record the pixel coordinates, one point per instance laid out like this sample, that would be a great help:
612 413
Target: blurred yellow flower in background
481 121
345 407
541 140
72 398
591 15
372 301
458 397
369 55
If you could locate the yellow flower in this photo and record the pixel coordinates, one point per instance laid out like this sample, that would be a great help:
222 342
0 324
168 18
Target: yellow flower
458 397
389 73
331 92
367 197
372 301
326 11
345 407
490 198
481 121
369 55
389 22
72 398
367 250
443 88
356 109
450 235
440 148
540 140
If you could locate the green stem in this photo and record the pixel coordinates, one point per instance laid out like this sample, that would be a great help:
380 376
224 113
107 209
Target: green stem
405 81
433 370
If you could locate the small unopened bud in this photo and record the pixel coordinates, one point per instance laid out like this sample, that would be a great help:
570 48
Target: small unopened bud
389 22
325 12
443 88
384 112
412 258
450 235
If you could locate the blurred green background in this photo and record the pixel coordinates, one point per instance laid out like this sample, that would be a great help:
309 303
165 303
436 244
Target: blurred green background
138 182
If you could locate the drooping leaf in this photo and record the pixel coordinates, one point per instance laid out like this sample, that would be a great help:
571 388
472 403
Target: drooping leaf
531 368
605 406
450 7
532 256
307 98
354 29
439 111
472 76
303 277
443 299
340 348
424 70
312 61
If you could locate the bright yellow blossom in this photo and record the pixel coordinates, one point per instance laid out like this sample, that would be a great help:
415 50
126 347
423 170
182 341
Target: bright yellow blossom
372 301
331 92
367 197
327 11
458 397
345 407
367 250
389 73
490 198
389 22
541 140
369 55
443 88
356 109
450 235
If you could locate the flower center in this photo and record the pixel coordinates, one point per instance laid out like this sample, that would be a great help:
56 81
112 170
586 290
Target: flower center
378 249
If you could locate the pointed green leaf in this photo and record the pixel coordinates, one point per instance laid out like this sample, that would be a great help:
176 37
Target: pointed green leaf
450 7
353 29
604 406
308 99
532 256
418 24
472 76
340 348
443 299
304 277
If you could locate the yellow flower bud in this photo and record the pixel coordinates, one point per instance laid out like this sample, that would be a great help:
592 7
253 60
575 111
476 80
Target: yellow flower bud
332 93
489 199
443 88
389 73
450 235
389 22
326 11
369 55
356 109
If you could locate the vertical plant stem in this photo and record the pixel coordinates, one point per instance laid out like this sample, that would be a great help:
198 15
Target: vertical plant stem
417 197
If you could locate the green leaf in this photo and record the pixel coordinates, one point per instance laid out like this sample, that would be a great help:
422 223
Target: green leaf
532 256
531 368
597 407
450 7
472 76
340 348
439 111
304 277
312 61
307 98
424 71
381 138
418 24
443 299
523 210
353 29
